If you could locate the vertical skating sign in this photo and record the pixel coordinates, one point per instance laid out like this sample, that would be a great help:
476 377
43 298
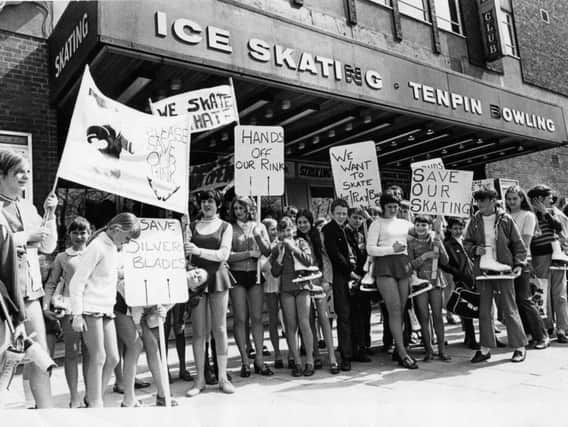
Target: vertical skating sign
356 173
259 160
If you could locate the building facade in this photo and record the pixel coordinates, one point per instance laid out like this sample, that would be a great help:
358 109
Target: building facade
480 84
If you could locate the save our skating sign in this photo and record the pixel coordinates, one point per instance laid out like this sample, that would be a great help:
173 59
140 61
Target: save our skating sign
441 192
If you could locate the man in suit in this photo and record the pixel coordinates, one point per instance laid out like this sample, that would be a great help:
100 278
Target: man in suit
340 255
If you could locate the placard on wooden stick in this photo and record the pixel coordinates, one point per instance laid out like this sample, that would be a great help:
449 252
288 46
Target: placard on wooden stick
259 160
356 173
441 192
154 265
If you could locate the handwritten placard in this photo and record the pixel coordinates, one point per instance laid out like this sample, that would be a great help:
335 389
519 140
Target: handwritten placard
209 108
356 173
259 160
441 192
154 264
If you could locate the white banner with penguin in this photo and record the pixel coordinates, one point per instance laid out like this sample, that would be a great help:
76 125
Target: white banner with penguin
114 148
441 192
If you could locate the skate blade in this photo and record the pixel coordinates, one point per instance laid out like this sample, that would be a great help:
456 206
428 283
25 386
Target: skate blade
307 278
507 276
421 291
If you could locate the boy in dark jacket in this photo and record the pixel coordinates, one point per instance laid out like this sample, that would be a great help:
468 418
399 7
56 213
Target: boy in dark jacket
493 229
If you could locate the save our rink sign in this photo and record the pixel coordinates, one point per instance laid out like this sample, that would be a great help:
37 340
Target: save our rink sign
259 160
356 173
441 192
154 264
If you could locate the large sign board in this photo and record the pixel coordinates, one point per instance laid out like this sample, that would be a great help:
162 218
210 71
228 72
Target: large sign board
356 173
154 265
441 192
259 160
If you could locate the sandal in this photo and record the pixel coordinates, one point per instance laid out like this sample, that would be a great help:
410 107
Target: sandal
264 371
136 404
408 362
161 401
245 371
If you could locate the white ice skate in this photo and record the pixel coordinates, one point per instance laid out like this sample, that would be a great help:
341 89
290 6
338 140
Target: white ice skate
559 258
491 269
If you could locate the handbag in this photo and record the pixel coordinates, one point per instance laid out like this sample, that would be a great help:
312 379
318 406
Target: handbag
464 302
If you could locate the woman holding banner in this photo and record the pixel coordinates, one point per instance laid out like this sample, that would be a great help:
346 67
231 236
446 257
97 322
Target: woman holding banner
31 234
210 247
247 296
386 243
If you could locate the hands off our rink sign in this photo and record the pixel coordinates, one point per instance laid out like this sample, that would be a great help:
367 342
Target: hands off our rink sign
356 173
259 160
154 264
441 192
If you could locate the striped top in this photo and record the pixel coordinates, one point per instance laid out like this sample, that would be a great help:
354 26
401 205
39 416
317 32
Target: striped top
549 226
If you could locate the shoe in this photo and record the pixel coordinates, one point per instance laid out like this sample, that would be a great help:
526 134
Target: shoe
265 351
245 371
118 389
309 370
192 392
185 375
291 363
480 357
138 384
279 364
210 378
334 368
264 370
408 362
444 357
500 344
321 344
226 387
561 338
161 400
519 356
345 365
542 344
429 357
137 404
296 371
318 364
362 357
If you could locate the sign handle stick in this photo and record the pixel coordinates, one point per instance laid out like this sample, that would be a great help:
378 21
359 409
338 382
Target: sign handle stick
53 188
164 364
238 120
146 290
258 201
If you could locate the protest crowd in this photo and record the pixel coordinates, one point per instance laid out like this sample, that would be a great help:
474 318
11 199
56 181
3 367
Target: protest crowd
505 262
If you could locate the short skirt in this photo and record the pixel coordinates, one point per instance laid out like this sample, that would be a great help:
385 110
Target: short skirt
396 266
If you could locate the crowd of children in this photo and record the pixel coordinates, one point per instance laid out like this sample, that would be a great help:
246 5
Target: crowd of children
308 267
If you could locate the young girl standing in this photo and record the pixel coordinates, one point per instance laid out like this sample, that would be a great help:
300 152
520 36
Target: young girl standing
64 267
93 293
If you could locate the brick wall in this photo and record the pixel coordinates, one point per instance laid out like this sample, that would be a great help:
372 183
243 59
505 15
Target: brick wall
24 103
543 47
545 167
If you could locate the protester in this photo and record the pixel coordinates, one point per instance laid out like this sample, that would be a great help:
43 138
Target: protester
31 234
386 242
492 229
308 232
522 213
552 282
92 291
210 247
175 321
57 298
360 304
461 268
337 249
287 258
272 292
423 248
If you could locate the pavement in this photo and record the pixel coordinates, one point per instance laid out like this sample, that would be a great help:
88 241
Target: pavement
496 392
